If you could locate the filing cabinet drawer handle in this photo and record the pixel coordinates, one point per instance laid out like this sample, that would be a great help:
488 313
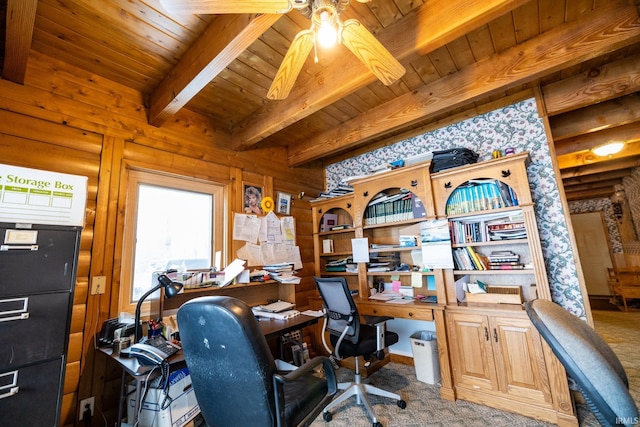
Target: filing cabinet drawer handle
14 313
22 247
22 316
12 391
11 384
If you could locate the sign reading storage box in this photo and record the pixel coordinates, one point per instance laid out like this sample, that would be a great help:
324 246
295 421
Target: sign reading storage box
35 196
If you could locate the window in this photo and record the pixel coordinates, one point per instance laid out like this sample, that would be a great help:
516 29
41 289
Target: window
169 223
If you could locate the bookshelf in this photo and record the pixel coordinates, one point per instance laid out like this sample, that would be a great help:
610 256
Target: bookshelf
332 234
482 230
495 241
489 210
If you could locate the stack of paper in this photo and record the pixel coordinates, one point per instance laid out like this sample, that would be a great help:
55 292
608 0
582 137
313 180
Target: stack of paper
283 315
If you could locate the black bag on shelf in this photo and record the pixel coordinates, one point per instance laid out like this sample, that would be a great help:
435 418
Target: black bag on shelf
451 158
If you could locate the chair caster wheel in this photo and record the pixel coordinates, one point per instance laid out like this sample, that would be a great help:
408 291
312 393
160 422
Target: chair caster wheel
402 404
377 424
327 416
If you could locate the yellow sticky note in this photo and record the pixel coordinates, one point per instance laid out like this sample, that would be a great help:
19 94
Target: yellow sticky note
416 280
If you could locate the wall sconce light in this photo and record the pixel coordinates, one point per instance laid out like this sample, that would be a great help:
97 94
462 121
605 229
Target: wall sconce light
608 149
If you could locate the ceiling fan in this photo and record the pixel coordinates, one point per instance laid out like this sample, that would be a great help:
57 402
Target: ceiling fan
325 22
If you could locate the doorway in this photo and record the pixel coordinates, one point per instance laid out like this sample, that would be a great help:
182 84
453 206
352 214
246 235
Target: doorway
592 240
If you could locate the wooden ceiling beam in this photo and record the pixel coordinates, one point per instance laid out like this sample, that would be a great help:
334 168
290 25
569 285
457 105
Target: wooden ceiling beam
593 86
629 133
590 194
615 112
431 28
604 176
226 37
626 163
588 157
21 16
613 26
608 183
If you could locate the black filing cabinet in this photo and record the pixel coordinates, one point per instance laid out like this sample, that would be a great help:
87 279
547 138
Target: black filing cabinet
38 266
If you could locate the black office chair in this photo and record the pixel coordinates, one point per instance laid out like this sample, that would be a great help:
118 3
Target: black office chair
351 338
234 375
589 360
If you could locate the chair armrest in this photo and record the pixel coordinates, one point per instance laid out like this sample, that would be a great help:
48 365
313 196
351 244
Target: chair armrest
374 320
329 372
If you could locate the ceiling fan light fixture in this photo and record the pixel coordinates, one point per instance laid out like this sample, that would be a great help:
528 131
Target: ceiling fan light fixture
327 32
608 149
324 21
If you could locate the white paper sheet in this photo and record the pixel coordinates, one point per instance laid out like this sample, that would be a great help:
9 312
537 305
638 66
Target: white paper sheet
232 270
246 227
270 231
360 249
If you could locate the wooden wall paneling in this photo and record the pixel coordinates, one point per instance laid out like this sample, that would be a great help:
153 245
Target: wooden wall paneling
98 306
74 352
21 125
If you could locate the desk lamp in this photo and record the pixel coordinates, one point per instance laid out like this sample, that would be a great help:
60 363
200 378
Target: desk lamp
171 288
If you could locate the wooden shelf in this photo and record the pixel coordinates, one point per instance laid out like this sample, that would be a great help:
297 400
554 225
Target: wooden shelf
394 224
493 243
509 272
334 232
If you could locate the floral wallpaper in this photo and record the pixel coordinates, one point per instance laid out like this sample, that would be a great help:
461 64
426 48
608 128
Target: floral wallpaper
632 190
516 126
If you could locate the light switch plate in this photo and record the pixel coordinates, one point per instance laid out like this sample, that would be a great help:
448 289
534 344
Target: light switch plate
98 285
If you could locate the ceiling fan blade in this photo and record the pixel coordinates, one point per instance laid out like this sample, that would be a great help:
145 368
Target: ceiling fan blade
371 52
291 65
226 6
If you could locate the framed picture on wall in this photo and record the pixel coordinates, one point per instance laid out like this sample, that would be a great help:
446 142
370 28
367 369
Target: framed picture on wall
252 199
284 203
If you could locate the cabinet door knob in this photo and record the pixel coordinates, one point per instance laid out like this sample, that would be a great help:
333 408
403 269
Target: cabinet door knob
414 183
365 194
410 314
506 173
495 334
447 184
486 334
319 211
348 205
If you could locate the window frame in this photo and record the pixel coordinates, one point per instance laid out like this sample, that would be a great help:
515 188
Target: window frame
134 179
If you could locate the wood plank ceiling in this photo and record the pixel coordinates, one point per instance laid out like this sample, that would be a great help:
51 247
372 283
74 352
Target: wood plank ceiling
461 56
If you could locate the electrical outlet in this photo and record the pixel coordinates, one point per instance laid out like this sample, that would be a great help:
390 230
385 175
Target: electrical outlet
98 285
90 401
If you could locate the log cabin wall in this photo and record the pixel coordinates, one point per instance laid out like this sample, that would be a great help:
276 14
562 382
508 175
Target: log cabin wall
67 120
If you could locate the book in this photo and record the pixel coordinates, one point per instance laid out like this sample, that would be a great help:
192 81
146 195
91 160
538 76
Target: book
477 262
340 227
506 267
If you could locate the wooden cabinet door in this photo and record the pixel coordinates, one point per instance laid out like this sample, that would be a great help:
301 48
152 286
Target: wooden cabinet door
473 362
519 358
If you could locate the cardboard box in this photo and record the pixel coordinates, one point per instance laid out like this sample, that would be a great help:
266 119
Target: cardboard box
182 409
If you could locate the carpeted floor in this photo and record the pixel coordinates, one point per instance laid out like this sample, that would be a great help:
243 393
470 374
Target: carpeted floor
426 408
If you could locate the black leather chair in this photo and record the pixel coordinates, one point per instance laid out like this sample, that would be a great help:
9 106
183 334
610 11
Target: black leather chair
589 360
234 375
349 337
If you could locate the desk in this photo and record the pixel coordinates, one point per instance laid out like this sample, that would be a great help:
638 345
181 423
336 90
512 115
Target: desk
271 328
